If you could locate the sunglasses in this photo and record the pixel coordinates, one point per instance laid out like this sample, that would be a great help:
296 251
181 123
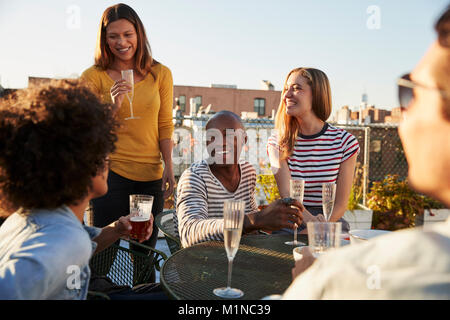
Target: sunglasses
406 88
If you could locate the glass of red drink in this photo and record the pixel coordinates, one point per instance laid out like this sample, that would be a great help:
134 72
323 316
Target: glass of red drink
140 212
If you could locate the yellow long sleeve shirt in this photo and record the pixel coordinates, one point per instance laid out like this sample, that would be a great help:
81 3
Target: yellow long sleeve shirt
137 156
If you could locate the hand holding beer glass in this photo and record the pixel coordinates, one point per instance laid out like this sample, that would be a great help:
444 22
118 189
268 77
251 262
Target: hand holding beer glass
140 215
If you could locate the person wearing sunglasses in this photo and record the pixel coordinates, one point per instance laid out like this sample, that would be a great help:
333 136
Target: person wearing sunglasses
413 263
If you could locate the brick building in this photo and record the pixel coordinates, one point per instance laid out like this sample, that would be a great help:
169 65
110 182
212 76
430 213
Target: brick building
226 97
220 97
376 115
5 92
365 115
395 117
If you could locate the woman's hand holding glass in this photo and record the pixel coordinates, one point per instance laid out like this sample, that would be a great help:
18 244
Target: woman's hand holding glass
118 92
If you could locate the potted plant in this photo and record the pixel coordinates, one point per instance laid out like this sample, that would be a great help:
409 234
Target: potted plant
396 206
434 212
357 215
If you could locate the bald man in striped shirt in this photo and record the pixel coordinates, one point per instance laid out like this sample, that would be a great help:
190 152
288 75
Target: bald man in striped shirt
203 188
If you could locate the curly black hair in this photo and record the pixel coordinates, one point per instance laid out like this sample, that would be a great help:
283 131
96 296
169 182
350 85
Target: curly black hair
53 139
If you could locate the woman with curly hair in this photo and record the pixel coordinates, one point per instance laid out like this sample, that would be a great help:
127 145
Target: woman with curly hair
142 162
304 146
54 146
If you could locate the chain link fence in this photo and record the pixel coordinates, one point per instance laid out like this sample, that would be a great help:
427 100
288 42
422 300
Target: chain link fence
381 151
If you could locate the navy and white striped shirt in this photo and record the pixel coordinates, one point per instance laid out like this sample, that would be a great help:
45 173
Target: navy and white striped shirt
317 159
200 198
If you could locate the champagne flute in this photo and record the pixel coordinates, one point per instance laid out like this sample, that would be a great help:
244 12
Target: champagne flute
328 196
128 76
297 190
233 218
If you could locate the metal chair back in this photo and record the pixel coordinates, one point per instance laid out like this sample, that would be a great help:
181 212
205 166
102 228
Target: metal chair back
127 263
165 223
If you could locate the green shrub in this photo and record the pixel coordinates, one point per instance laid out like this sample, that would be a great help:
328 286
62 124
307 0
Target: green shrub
395 205
266 183
356 193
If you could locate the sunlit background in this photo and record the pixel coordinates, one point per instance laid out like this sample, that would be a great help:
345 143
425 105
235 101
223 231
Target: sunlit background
363 46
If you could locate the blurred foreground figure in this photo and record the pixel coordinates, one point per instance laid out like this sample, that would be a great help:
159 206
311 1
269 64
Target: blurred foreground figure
54 145
409 264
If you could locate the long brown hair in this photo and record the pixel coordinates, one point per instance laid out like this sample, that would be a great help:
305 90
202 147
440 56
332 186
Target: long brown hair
103 55
288 126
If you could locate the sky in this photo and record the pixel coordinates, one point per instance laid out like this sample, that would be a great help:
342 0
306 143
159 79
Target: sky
363 46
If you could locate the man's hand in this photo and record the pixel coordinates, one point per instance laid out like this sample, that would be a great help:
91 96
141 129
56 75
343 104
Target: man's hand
278 215
304 263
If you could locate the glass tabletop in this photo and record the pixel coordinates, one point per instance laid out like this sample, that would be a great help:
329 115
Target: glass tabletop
262 267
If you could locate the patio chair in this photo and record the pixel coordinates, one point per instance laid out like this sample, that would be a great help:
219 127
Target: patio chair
164 222
127 263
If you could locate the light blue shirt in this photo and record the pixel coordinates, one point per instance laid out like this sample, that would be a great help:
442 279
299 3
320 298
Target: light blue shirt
44 254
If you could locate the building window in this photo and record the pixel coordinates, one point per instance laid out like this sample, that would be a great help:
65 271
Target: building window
182 103
259 105
198 103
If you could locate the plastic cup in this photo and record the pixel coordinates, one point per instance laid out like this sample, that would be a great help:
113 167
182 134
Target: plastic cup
140 211
323 236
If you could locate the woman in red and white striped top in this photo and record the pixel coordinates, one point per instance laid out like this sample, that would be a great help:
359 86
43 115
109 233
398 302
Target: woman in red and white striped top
304 146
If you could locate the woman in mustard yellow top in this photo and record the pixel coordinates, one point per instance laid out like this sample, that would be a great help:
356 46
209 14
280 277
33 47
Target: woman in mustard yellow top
136 166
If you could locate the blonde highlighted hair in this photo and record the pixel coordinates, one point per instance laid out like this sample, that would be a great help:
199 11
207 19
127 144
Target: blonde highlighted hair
287 126
103 55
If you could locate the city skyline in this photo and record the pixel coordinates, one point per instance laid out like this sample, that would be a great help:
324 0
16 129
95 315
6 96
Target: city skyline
363 46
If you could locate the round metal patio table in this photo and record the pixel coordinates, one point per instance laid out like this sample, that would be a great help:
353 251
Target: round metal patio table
261 267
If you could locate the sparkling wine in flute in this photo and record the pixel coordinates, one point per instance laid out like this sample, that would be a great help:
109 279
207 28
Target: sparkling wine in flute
327 209
297 190
328 196
128 76
233 218
232 237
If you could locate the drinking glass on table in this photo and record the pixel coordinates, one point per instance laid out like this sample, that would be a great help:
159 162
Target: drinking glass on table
323 235
328 197
233 218
297 190
140 212
128 76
